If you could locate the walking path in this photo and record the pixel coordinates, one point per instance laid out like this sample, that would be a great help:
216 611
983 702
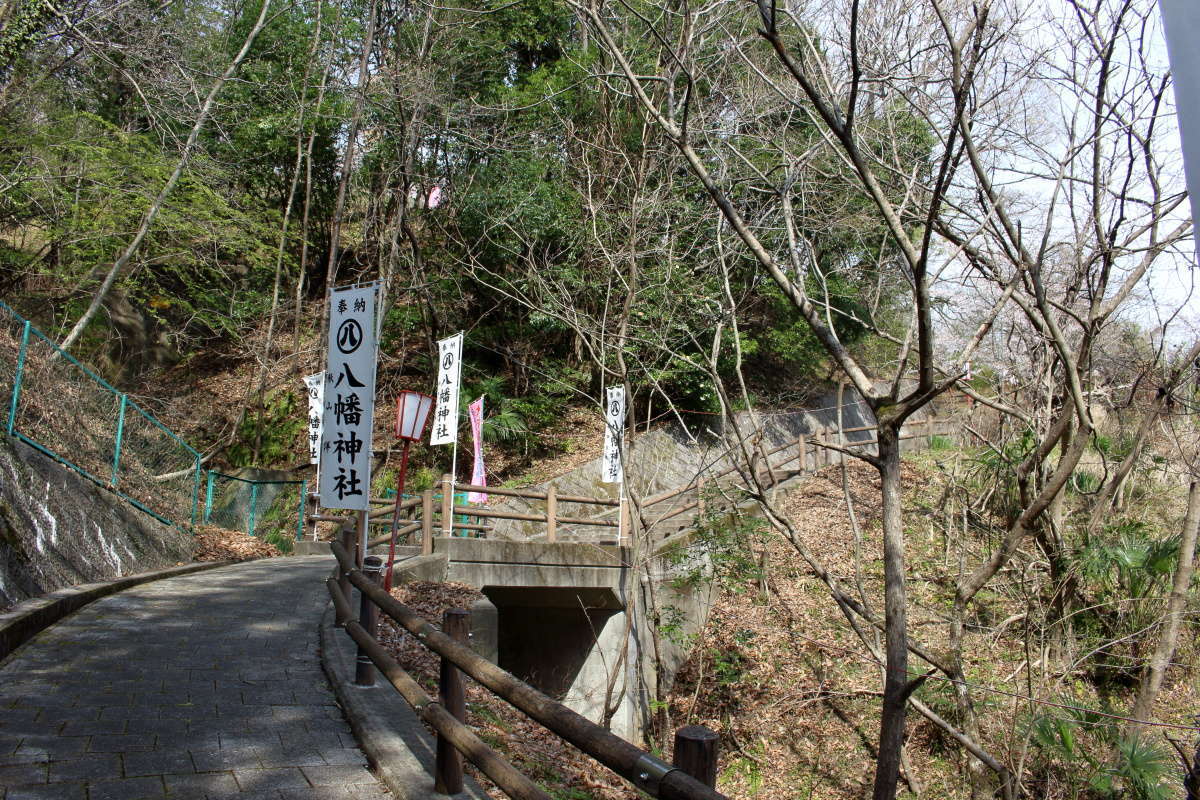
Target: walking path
201 687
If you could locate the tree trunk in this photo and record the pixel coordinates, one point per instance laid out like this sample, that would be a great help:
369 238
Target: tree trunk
1143 706
895 684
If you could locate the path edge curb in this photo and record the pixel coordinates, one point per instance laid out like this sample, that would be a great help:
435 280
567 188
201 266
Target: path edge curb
29 618
383 724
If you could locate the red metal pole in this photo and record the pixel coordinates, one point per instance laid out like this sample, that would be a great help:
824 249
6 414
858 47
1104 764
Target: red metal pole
387 581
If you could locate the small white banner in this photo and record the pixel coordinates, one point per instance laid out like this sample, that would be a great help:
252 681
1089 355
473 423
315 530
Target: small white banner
445 418
315 387
614 426
349 400
478 473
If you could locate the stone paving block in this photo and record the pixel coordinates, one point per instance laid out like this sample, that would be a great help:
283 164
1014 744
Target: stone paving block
158 763
126 789
228 759
341 775
53 748
12 716
49 791
157 726
124 743
19 774
286 757
98 727
201 785
86 767
344 755
257 780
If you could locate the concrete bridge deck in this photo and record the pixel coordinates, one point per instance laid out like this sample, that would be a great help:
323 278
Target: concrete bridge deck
201 687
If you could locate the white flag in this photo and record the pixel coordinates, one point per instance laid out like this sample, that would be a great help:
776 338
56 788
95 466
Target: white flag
445 418
349 400
1181 21
314 385
612 470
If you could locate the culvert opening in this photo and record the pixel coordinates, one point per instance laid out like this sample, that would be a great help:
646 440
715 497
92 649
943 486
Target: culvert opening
545 634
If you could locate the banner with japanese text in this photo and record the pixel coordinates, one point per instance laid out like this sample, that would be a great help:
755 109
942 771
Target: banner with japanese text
445 418
612 470
478 474
349 400
314 386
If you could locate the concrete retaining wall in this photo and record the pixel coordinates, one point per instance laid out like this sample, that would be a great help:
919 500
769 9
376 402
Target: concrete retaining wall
59 529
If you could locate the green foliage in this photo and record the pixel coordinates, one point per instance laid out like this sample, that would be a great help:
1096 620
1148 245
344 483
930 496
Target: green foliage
84 185
1083 481
1096 753
274 427
941 444
732 543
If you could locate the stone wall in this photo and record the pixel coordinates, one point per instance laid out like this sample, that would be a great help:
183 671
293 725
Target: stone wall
59 529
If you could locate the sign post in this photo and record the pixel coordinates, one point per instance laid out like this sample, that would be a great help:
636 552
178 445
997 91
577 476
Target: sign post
315 388
349 403
445 418
612 468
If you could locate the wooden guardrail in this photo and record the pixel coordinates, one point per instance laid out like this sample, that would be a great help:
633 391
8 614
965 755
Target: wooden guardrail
691 777
432 512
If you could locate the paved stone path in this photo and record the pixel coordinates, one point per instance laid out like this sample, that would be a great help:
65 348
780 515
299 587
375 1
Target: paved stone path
204 687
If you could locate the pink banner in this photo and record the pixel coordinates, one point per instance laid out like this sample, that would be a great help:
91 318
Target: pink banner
478 475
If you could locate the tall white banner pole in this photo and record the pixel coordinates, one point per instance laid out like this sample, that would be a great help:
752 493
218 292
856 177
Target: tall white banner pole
445 417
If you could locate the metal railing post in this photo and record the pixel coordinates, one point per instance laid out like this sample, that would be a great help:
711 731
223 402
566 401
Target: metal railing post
196 489
426 522
120 437
208 496
303 503
349 542
253 508
368 618
16 392
447 506
448 773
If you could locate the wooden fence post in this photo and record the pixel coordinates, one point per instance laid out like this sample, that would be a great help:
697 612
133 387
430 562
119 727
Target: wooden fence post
802 449
551 514
696 753
448 773
700 496
626 522
368 617
427 522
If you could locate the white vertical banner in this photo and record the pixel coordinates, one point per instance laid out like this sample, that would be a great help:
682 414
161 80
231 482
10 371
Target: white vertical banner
314 386
1181 23
349 399
614 426
445 417
478 473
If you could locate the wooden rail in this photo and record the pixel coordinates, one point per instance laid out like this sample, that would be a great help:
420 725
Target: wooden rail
808 451
640 768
